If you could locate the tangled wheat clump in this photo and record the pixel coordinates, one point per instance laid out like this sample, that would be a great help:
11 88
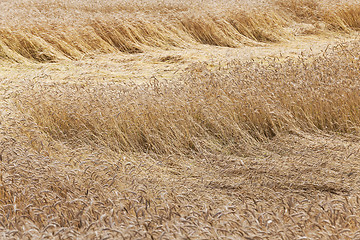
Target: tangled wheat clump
52 30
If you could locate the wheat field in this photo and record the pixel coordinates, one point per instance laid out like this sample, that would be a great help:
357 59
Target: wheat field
175 119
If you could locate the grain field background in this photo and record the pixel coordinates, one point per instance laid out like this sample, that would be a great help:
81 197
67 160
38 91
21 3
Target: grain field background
176 119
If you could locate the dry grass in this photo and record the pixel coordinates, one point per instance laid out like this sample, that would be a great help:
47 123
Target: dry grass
261 149
50 30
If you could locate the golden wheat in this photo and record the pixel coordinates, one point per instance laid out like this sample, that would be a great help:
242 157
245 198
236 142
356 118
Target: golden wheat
145 161
49 31
207 109
266 148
